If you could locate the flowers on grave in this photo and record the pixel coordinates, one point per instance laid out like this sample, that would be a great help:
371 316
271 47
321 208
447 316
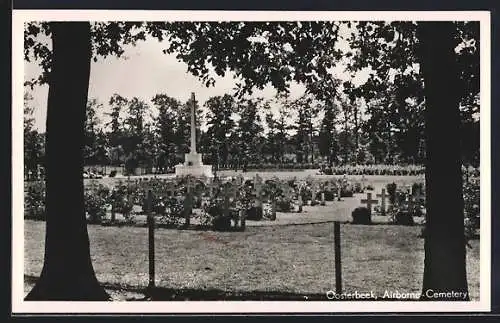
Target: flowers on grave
346 190
34 201
330 190
357 187
296 206
374 170
269 211
310 191
158 204
95 202
271 189
122 198
306 193
283 204
204 218
213 207
199 189
216 216
244 197
406 202
170 210
213 214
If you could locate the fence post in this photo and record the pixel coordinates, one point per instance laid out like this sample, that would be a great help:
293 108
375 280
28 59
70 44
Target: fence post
243 219
113 211
338 264
151 238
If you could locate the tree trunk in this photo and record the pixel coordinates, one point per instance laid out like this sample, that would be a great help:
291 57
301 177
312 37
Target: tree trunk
445 255
346 150
67 272
356 129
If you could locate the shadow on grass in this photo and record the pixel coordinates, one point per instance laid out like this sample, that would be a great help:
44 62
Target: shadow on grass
190 294
197 227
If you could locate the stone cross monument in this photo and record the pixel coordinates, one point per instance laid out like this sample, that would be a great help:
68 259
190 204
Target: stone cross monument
193 164
193 124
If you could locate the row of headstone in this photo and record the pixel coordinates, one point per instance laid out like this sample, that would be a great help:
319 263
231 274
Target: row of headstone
267 197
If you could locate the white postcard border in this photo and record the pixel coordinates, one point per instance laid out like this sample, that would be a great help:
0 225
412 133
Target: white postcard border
21 306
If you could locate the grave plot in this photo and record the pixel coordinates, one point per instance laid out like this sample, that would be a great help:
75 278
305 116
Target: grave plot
230 200
407 203
258 200
255 201
362 215
400 206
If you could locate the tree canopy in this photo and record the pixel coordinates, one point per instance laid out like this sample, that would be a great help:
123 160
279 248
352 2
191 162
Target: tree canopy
279 53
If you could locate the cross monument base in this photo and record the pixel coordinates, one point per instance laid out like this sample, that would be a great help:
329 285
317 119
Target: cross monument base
193 166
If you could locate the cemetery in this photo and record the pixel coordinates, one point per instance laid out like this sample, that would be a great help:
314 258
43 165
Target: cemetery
336 181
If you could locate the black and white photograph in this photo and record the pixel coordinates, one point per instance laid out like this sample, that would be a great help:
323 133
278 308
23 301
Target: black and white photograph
276 161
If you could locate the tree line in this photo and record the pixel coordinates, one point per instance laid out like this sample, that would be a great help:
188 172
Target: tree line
243 132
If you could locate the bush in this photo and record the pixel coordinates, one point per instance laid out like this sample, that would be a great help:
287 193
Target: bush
404 218
329 195
283 205
361 215
358 188
471 203
95 204
391 190
374 170
471 207
130 166
112 173
254 213
346 191
213 215
34 201
221 223
123 199
417 188
327 171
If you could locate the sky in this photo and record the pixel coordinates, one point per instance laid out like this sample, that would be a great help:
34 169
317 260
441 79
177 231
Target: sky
146 71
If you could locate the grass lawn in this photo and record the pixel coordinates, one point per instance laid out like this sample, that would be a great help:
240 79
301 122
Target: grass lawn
290 258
